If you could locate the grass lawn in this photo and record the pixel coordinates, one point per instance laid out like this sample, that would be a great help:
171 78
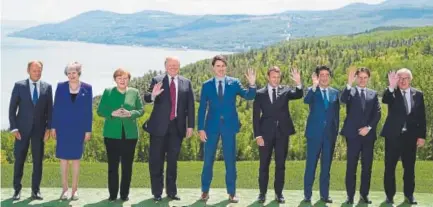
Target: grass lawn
94 175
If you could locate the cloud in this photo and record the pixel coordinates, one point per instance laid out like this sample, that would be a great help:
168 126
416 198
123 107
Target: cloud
55 10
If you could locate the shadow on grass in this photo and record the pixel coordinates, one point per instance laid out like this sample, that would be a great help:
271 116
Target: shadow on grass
222 203
27 202
105 202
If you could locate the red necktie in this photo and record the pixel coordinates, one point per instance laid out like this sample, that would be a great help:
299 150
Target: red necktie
173 99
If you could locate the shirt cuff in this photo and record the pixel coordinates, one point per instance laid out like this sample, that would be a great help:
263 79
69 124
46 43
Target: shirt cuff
299 86
369 128
152 98
348 87
14 130
259 136
390 89
313 88
253 86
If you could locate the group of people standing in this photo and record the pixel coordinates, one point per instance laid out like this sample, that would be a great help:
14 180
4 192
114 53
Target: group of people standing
34 118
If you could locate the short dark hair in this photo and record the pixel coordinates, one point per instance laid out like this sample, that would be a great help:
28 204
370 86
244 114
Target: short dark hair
323 67
363 70
30 63
274 69
220 58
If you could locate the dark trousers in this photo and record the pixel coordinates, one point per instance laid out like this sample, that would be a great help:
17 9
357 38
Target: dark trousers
404 148
120 150
20 152
357 146
160 147
280 144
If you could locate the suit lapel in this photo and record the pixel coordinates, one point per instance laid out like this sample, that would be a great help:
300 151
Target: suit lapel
412 99
166 86
28 91
266 93
179 94
226 86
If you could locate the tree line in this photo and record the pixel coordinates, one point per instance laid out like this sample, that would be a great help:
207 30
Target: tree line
381 51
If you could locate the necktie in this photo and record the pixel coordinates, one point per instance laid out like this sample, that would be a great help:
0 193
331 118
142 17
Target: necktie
405 102
35 94
173 99
362 99
220 89
274 95
325 99
406 107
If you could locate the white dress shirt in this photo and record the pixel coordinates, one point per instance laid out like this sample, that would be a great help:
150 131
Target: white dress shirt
32 87
270 91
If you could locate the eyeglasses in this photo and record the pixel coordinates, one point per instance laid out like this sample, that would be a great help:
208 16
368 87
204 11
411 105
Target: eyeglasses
404 79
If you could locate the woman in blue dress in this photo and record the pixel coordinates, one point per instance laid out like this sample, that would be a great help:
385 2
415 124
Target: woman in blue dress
71 124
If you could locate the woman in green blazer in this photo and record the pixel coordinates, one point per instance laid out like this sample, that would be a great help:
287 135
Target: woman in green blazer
120 106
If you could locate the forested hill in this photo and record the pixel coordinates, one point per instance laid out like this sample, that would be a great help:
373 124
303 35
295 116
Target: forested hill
381 51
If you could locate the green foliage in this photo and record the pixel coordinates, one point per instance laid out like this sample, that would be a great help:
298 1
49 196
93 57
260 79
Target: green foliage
381 51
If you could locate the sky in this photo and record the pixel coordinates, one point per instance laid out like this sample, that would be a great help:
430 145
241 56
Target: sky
59 10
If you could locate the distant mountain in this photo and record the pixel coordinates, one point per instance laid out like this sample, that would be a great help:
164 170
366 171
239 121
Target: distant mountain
230 32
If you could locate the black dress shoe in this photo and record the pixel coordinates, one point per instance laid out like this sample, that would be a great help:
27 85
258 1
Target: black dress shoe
280 198
364 199
37 196
326 200
157 198
307 200
411 200
349 201
174 197
17 195
125 198
389 201
261 198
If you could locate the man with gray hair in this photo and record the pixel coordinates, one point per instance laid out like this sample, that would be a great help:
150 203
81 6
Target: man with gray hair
404 130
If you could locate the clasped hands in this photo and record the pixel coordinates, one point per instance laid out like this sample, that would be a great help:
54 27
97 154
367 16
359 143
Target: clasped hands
121 112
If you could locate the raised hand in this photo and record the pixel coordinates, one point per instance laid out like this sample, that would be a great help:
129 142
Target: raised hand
53 133
296 76
393 79
251 76
351 77
157 89
315 80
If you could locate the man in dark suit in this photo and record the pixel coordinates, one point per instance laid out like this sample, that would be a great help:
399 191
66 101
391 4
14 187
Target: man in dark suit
171 120
321 131
272 127
33 99
363 114
404 130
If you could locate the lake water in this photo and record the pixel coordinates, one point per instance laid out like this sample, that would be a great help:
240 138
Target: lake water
99 63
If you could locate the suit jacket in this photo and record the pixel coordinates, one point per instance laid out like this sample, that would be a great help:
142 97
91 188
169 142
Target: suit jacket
67 113
112 100
159 120
415 120
321 121
268 116
356 117
221 109
29 115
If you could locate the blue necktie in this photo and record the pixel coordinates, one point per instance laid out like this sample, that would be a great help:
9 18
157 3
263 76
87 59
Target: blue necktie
35 94
220 90
325 99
